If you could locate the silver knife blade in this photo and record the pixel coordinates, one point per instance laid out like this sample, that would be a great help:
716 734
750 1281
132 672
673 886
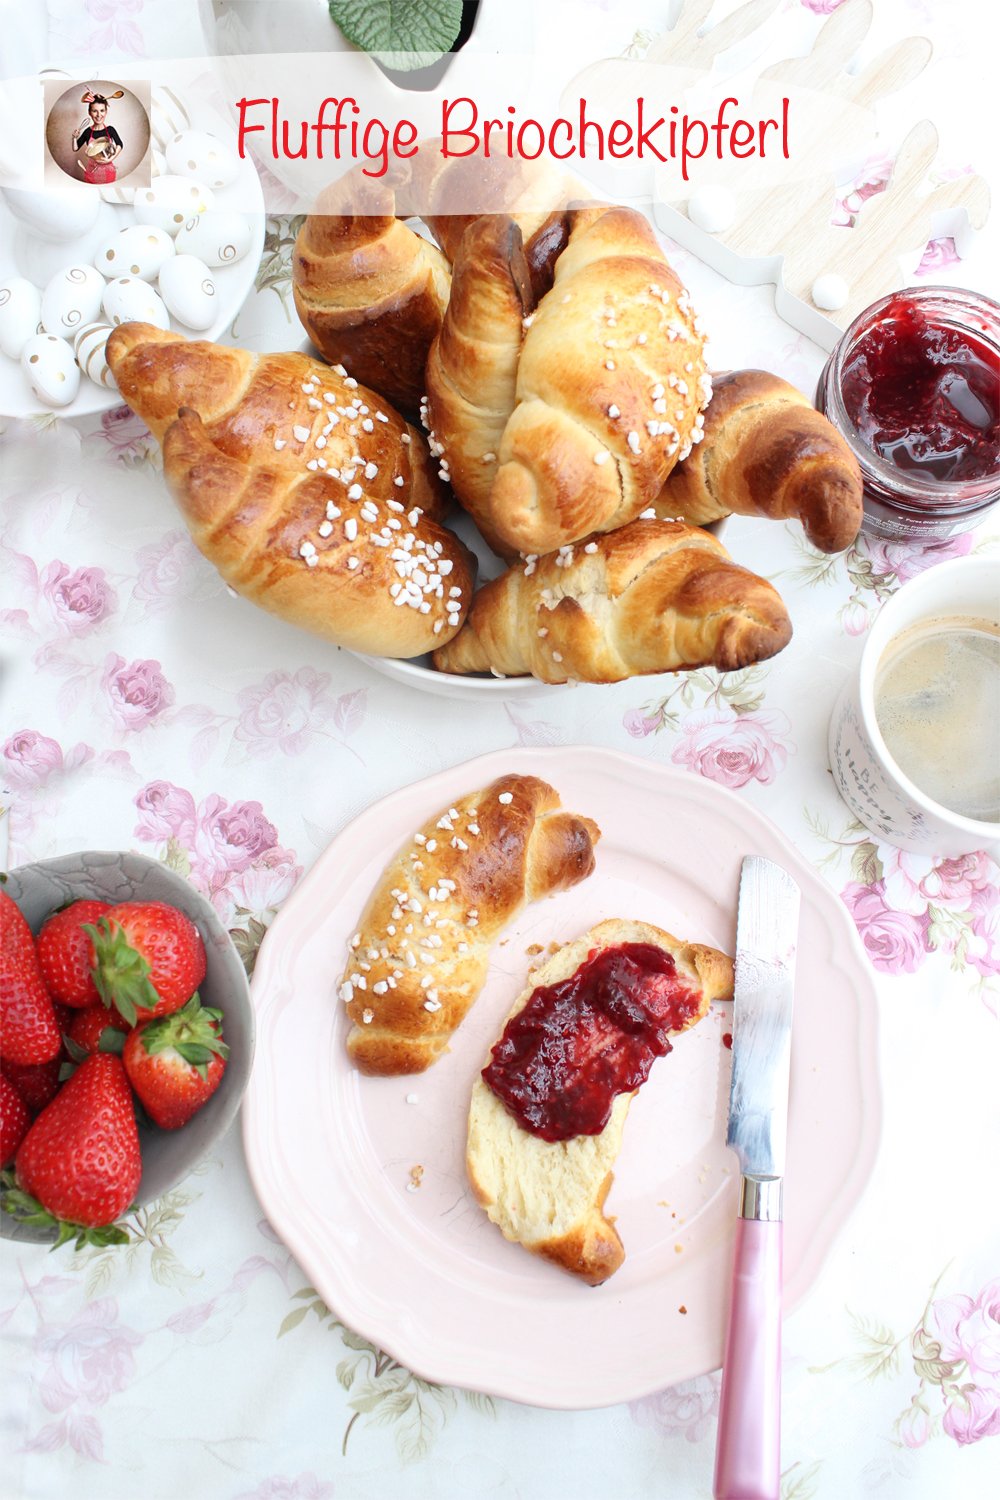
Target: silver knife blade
766 933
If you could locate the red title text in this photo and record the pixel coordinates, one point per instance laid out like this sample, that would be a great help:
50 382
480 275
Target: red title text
342 132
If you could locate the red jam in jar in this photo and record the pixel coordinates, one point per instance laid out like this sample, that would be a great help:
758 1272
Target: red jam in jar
580 1042
914 386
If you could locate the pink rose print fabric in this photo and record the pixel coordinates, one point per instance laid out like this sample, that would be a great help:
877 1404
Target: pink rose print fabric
137 692
54 601
77 598
231 848
689 1409
918 907
734 749
278 1487
895 941
279 715
32 760
957 1348
171 572
80 1366
124 436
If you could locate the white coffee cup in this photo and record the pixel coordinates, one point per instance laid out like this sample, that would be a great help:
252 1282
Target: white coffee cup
869 780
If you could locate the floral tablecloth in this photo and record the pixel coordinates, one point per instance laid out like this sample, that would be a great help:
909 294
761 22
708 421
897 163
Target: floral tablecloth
144 706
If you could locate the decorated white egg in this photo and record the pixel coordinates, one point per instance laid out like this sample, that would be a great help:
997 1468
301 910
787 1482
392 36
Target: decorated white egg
20 314
127 299
170 201
50 369
188 289
71 298
59 214
140 250
219 237
167 115
90 346
195 153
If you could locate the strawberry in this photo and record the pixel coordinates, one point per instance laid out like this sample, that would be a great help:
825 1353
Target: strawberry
29 1032
150 959
80 1159
37 1083
14 1121
64 1015
66 954
176 1062
92 1024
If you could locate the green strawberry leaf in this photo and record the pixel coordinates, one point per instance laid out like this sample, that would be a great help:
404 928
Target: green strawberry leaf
120 973
77 1053
27 1210
404 34
191 1031
111 1040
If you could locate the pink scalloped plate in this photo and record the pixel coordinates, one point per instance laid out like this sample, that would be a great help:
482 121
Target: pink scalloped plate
364 1178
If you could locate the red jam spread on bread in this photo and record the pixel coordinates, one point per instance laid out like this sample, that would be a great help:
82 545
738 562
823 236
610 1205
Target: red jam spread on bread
577 1044
925 396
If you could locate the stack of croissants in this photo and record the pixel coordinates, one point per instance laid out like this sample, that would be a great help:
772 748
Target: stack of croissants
544 370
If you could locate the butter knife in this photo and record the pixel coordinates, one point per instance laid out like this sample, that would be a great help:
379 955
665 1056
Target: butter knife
748 1448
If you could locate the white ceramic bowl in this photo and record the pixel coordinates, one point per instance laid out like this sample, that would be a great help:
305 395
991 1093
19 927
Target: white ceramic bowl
417 672
20 256
167 1155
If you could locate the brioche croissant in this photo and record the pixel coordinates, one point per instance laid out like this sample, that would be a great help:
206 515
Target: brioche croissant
451 193
369 291
472 366
610 384
767 452
549 1195
311 495
654 596
419 957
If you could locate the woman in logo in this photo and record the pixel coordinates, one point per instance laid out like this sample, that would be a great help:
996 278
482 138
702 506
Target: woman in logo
99 141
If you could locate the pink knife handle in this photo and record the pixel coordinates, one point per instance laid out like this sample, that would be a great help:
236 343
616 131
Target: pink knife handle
748 1451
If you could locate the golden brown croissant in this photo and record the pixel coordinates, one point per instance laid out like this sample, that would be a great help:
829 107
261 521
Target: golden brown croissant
654 596
310 494
451 193
472 366
610 385
419 957
369 291
766 452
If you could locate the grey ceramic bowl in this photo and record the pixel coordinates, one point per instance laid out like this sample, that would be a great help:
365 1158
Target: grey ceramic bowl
167 1155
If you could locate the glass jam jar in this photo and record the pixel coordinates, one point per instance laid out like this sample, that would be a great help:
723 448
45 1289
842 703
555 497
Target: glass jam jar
913 385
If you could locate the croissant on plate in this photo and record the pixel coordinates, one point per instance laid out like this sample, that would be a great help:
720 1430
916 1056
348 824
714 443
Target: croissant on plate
309 493
654 596
419 957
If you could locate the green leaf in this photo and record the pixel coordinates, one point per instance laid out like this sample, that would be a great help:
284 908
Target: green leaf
27 1210
177 858
404 34
801 1485
866 867
481 1403
121 974
293 1320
